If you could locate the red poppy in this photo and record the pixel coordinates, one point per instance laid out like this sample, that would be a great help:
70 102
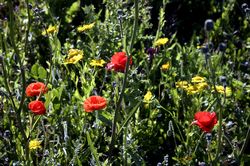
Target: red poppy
118 62
205 120
37 107
34 89
94 103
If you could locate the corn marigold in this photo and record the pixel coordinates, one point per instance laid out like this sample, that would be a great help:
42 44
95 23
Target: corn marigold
97 62
51 30
201 85
191 89
34 144
165 66
147 97
198 79
220 89
74 56
181 84
161 41
83 28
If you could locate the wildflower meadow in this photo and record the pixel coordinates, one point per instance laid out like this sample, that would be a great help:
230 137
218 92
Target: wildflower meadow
124 82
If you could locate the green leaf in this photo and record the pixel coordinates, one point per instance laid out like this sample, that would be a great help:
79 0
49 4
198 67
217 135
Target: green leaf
38 71
105 117
34 71
72 10
93 149
129 117
42 72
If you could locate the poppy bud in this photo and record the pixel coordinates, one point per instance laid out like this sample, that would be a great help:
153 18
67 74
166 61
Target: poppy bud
208 138
223 79
244 6
222 47
209 25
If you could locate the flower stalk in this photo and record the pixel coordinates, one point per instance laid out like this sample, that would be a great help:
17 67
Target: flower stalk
128 52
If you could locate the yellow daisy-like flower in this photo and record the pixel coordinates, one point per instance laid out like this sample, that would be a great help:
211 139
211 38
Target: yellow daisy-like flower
50 30
191 89
161 41
181 84
148 96
201 85
85 27
198 79
97 62
74 56
165 66
220 89
34 144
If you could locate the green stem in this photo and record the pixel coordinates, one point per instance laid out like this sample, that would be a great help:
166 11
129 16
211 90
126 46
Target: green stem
176 123
113 135
212 71
198 143
12 39
161 20
245 142
125 156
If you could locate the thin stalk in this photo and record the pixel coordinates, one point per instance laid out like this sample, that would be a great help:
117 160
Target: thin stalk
161 20
212 71
113 135
245 142
198 143
12 39
176 123
125 155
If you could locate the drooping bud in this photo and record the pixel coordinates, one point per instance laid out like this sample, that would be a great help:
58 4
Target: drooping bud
222 47
209 25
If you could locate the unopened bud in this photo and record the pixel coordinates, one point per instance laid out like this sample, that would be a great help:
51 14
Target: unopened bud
209 25
244 6
222 47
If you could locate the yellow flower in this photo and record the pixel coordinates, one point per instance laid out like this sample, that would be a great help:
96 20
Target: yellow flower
165 66
161 41
181 84
97 62
191 89
201 85
34 144
148 97
74 56
50 30
198 79
220 89
85 27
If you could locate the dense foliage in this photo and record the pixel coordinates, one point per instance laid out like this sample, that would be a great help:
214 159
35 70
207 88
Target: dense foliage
142 82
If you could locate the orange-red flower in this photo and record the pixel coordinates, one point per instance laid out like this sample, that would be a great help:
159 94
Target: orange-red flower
34 89
118 62
37 107
94 103
205 120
